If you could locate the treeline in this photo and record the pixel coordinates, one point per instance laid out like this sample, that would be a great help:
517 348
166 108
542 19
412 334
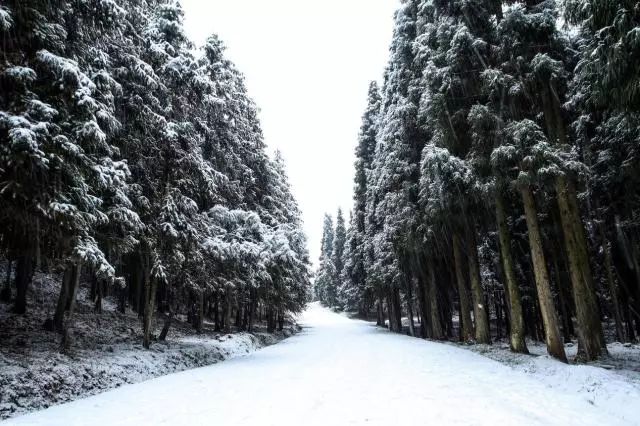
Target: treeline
497 176
131 162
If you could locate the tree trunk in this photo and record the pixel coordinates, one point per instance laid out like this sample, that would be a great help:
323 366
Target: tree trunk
63 297
613 289
99 296
380 312
167 324
466 326
74 283
395 310
434 305
629 320
591 343
543 288
590 335
24 276
200 314
422 306
246 308
611 282
5 295
227 310
565 309
412 331
252 310
216 312
149 308
239 315
516 320
280 320
122 299
497 303
271 323
480 313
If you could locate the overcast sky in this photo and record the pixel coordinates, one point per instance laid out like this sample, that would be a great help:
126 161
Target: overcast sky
308 65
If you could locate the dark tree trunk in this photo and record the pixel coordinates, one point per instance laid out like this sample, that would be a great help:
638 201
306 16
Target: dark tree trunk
199 320
168 320
565 309
271 323
239 315
498 307
149 308
512 289
380 311
613 288
227 310
466 326
280 320
629 320
216 312
590 336
122 299
591 344
245 316
63 297
480 314
93 291
423 310
99 296
434 304
545 297
74 283
395 312
24 276
252 309
5 295
412 331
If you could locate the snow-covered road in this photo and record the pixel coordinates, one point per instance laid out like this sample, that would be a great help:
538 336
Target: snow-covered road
336 372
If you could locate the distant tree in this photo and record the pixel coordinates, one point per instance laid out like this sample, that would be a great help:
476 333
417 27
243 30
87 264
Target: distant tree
339 240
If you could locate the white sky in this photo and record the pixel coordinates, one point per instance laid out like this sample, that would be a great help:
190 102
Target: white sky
308 65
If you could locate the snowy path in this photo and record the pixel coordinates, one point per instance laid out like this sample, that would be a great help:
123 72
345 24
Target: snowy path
337 372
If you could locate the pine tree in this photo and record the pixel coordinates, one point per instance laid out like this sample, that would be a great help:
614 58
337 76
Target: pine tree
326 286
544 74
59 118
128 159
354 292
604 98
339 240
394 178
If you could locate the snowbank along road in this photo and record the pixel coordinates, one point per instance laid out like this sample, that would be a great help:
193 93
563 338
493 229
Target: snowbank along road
338 372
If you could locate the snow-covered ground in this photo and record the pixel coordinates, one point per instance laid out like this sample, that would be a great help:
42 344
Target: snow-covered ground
106 351
340 371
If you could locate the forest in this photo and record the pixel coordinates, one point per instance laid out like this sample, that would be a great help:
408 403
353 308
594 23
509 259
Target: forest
497 178
133 165
160 189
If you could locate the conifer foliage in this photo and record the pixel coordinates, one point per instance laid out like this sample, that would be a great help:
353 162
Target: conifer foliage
133 163
496 177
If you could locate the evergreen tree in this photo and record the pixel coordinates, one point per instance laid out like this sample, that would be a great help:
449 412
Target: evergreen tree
326 286
339 240
483 111
129 160
604 99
